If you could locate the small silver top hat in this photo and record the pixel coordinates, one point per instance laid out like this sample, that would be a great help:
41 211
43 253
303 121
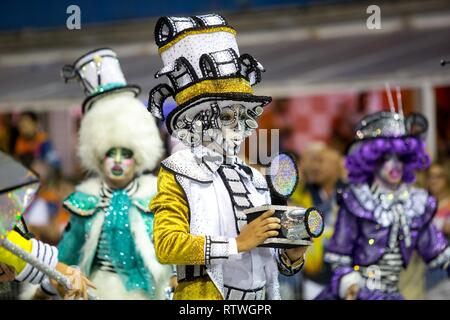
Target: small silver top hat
388 125
385 124
100 74
381 124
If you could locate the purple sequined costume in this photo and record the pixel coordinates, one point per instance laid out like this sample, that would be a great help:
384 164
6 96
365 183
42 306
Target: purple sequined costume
362 235
378 229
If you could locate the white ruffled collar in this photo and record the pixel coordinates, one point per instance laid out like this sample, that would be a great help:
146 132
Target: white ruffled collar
380 201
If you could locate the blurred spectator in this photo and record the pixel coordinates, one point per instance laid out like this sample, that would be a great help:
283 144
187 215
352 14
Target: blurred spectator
291 287
322 176
45 217
443 119
412 279
302 197
38 217
6 132
438 184
32 143
345 122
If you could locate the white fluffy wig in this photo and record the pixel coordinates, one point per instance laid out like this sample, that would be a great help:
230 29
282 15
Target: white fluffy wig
119 120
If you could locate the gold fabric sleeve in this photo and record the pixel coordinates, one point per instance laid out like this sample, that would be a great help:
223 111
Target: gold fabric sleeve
11 259
173 242
198 289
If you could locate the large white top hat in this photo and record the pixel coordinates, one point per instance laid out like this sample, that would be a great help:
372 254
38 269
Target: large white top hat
100 74
202 61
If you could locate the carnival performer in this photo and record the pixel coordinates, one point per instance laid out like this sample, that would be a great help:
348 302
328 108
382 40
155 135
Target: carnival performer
110 231
202 190
382 217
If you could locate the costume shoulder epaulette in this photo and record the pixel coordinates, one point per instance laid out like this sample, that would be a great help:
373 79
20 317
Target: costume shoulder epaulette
258 179
358 201
184 163
84 200
81 204
421 207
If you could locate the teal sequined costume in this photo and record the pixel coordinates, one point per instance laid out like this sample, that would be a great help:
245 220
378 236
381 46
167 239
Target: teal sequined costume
116 245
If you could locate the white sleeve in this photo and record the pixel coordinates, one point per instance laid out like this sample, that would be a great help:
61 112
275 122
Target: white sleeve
45 253
348 280
272 282
47 287
219 249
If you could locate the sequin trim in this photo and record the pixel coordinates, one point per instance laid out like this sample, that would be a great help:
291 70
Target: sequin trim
219 249
340 259
412 201
442 260
213 86
183 163
195 31
81 204
233 293
285 266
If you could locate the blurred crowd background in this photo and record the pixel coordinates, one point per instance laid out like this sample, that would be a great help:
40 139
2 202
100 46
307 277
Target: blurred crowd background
324 68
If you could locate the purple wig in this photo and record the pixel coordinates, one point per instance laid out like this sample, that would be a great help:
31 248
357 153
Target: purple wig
364 161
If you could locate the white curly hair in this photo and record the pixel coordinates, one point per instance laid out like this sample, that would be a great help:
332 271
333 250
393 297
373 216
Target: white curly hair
119 120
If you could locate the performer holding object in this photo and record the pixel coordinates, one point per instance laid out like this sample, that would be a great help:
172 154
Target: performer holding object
202 191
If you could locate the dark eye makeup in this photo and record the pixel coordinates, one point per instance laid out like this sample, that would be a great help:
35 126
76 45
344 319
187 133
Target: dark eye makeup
126 153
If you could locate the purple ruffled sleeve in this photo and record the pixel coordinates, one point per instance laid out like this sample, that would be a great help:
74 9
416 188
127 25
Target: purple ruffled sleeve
337 277
340 247
331 292
340 251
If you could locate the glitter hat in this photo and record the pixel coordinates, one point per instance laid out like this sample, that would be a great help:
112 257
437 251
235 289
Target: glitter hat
206 72
113 116
100 74
388 125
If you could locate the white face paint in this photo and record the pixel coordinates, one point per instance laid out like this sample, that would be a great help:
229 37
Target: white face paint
228 139
391 171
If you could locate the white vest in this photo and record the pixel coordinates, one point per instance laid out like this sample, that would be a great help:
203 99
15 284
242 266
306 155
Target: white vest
196 180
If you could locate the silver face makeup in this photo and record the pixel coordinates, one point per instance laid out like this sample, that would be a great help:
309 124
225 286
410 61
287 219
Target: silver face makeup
229 138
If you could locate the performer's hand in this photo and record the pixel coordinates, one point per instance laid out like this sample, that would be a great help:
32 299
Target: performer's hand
296 253
79 282
7 273
352 292
254 233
